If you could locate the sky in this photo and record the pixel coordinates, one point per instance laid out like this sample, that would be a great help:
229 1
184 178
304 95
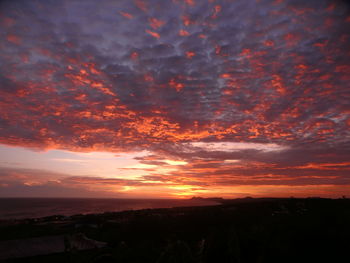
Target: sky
174 98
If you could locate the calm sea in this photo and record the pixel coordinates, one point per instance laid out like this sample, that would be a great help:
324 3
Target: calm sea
40 207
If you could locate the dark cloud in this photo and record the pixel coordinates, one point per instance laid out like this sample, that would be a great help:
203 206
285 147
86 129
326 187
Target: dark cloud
134 75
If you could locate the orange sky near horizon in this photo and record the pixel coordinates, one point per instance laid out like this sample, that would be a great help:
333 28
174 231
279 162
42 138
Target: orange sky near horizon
61 173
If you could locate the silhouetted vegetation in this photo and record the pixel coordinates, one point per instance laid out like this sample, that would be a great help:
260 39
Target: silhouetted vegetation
241 230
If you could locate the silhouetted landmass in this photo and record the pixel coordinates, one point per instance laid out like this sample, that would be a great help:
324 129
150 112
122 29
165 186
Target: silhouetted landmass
239 230
214 199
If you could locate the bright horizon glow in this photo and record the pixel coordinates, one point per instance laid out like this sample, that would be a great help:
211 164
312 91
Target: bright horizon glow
55 165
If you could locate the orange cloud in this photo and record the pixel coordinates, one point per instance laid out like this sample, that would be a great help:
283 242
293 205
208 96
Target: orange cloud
126 15
153 34
183 33
13 39
155 23
212 82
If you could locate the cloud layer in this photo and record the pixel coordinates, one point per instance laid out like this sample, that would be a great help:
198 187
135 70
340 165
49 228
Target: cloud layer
194 81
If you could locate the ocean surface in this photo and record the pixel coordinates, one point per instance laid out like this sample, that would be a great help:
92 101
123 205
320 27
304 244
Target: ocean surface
16 208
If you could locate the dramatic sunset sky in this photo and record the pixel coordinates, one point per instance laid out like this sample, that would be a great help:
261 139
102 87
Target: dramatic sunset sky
174 98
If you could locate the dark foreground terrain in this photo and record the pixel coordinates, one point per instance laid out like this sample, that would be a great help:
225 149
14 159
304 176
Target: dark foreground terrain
241 230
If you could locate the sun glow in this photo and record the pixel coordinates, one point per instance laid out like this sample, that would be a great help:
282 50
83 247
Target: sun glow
172 162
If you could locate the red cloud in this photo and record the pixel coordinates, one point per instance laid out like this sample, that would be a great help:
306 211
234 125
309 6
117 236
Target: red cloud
203 75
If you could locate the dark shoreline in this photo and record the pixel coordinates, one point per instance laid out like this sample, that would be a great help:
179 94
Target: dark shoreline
26 208
206 202
239 230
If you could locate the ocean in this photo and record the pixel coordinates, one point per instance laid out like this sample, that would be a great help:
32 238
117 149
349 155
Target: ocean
19 208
